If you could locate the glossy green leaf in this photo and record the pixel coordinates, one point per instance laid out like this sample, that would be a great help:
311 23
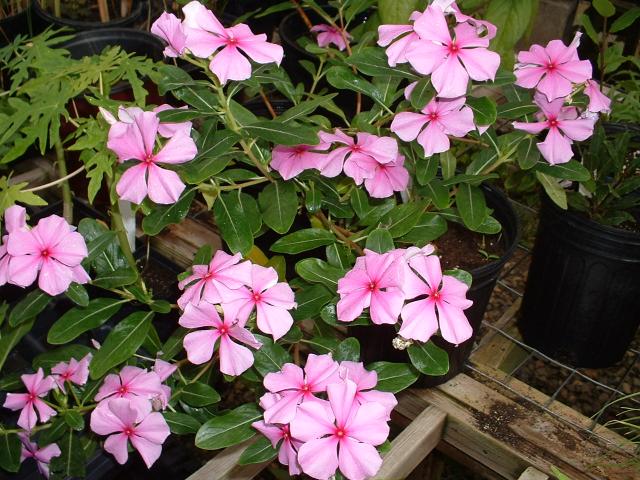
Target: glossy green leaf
380 240
303 240
402 218
426 169
429 358
625 20
429 227
329 315
73 419
303 109
484 110
121 343
163 215
181 423
373 62
604 7
11 337
343 78
349 350
81 319
71 462
315 270
77 294
553 188
50 358
279 204
99 244
310 301
447 164
10 448
233 223
270 357
422 93
572 170
228 429
29 307
282 134
199 394
116 278
393 377
259 451
471 205
528 153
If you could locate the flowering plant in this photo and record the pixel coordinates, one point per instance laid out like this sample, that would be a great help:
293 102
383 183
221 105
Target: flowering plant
359 182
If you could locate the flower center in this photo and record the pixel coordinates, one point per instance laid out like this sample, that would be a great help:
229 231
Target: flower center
432 116
553 122
208 276
223 330
306 388
32 397
66 375
257 297
453 48
340 433
128 431
356 148
436 294
148 159
299 150
373 286
123 390
45 253
551 67
285 432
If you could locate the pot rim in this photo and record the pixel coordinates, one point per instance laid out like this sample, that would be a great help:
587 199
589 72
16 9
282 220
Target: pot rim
136 11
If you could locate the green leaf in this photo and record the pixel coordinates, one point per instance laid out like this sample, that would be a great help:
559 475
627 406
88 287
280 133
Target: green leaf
310 301
173 345
604 7
402 218
393 11
393 377
99 244
422 93
513 110
71 462
373 61
11 338
29 307
303 240
359 202
329 315
438 193
259 451
625 20
211 158
77 294
181 423
484 110
270 357
178 115
343 78
303 109
172 78
48 359
471 205
591 32
315 270
572 170
49 435
428 358
121 343
279 204
528 153
380 241
462 275
233 222
313 198
199 394
426 169
10 448
281 133
554 189
81 319
348 349
73 419
429 227
447 164
163 215
512 20
116 278
228 429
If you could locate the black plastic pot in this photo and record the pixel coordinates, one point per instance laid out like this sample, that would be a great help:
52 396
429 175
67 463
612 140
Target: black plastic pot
138 10
18 24
375 342
582 300
130 40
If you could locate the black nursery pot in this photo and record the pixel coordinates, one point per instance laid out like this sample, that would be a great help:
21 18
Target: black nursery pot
138 10
376 341
582 300
18 24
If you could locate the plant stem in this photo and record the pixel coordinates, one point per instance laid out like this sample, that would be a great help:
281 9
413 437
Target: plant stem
238 186
54 182
67 202
339 233
603 51
266 101
118 226
303 14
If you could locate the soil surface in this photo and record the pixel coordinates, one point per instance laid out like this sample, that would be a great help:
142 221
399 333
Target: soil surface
462 248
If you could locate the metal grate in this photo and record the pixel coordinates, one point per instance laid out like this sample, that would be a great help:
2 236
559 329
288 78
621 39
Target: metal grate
611 388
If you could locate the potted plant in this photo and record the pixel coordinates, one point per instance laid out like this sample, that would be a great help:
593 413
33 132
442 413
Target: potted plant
327 219
91 16
15 19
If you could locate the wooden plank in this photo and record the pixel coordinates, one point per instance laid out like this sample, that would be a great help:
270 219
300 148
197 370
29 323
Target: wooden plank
533 474
469 463
508 437
412 445
224 466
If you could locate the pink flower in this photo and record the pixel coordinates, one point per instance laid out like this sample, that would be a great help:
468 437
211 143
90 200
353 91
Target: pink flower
205 35
119 419
375 282
564 126
135 384
329 35
271 299
598 102
234 358
136 141
15 220
37 387
388 178
42 456
289 162
288 453
342 436
169 28
552 69
163 369
165 129
359 157
396 53
211 282
295 386
365 381
449 61
52 248
441 117
445 296
73 372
